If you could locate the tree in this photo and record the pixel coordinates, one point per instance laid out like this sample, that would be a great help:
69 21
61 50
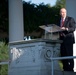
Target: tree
60 3
36 15
3 18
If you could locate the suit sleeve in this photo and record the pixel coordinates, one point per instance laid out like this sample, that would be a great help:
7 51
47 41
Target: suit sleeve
71 26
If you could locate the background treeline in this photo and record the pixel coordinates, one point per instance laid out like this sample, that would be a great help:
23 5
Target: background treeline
34 16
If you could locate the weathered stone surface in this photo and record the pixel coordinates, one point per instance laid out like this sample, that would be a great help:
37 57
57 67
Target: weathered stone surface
29 57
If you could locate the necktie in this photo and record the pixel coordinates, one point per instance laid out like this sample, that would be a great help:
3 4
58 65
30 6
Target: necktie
62 23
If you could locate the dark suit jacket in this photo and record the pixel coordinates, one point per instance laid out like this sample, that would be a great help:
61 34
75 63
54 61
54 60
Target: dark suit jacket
68 36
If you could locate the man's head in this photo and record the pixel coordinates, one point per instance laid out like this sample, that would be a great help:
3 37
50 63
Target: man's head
63 12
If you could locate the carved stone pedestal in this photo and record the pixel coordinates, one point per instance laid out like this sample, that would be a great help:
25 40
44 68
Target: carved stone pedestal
29 57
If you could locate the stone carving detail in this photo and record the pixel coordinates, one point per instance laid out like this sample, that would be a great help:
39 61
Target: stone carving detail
29 58
16 53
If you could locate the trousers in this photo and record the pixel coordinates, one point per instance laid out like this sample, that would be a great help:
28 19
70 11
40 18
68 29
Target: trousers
66 49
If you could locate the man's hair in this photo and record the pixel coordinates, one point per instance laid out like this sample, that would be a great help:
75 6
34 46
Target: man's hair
64 9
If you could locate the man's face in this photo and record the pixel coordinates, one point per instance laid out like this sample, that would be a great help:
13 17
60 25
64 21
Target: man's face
63 13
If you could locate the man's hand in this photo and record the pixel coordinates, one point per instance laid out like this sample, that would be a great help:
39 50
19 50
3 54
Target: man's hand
66 29
63 28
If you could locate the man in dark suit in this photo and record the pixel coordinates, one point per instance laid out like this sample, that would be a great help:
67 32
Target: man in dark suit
67 25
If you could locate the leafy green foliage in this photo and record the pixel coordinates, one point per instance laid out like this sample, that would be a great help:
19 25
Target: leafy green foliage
4 70
3 56
36 15
4 15
60 3
3 51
